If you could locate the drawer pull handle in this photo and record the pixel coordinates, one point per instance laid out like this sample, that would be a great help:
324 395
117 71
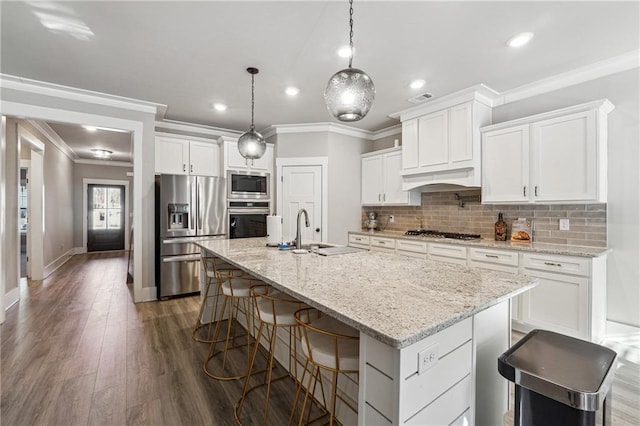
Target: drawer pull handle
381 242
553 264
493 256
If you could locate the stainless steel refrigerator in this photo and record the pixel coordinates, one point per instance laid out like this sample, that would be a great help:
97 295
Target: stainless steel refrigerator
188 208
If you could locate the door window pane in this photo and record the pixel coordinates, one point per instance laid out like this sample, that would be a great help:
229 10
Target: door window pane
99 219
114 198
99 198
114 219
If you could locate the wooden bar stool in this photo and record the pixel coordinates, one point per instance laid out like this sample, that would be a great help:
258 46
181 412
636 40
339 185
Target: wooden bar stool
331 346
274 310
214 269
236 294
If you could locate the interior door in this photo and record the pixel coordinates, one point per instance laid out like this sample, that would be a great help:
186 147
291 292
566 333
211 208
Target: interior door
105 221
302 189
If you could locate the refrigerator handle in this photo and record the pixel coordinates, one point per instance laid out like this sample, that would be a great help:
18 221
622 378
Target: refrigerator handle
192 206
199 210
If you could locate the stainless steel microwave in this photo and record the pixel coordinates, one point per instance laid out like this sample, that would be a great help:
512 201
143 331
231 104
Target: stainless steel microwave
250 185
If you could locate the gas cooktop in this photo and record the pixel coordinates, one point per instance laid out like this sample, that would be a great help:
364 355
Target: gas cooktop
439 234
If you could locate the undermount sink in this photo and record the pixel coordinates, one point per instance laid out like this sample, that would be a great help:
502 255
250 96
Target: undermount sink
318 245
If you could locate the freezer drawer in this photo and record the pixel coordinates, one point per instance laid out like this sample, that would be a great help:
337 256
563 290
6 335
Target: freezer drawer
179 275
178 246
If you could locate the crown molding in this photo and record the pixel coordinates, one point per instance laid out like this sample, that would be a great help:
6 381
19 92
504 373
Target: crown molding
203 129
103 163
44 128
65 92
614 65
328 127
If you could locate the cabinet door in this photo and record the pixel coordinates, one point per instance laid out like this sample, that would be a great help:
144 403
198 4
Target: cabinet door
460 136
410 144
204 159
371 187
558 303
172 156
505 165
235 161
392 184
564 158
433 139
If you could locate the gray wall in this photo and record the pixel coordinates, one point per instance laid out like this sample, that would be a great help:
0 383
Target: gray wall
387 142
301 145
90 171
623 205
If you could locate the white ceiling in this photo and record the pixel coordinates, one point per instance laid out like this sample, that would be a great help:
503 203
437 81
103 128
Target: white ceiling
189 55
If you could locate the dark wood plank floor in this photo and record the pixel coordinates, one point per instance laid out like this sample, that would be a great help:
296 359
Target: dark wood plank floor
76 350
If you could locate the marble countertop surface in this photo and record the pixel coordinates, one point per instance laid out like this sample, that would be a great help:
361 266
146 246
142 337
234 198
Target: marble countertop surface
394 299
504 245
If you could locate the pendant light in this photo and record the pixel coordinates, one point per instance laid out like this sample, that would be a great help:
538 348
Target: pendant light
251 144
350 92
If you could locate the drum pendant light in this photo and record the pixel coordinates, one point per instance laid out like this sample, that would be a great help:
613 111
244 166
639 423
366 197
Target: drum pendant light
251 144
350 92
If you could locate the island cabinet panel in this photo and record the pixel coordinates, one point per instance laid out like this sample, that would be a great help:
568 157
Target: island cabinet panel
425 394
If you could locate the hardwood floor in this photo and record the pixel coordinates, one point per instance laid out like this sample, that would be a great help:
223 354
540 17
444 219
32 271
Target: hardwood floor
76 350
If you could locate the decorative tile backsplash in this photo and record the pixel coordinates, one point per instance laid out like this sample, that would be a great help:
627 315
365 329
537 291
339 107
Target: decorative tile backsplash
442 211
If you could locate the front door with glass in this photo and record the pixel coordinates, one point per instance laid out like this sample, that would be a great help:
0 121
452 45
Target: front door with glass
105 221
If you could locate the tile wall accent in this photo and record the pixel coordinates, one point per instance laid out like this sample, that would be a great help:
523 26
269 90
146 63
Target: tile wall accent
442 211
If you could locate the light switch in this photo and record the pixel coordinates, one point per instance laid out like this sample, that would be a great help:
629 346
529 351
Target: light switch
564 224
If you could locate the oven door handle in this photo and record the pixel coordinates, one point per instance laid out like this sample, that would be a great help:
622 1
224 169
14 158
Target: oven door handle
249 211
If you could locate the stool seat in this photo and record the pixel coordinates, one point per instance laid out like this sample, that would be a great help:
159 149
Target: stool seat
237 287
323 346
277 312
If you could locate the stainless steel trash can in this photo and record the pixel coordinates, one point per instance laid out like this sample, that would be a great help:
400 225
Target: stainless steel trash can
559 380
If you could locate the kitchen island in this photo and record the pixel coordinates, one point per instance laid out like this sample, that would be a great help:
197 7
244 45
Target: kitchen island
430 333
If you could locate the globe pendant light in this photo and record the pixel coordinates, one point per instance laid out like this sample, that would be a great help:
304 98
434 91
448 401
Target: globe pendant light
251 144
350 92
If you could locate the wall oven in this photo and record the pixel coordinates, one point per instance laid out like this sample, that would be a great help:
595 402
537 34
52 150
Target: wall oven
248 219
249 185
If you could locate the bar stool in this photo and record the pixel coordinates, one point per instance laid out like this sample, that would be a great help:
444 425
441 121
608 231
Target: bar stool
328 345
274 310
236 293
214 269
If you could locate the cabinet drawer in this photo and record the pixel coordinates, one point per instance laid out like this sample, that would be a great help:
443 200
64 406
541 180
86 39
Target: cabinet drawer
412 246
446 250
561 264
361 240
380 242
498 257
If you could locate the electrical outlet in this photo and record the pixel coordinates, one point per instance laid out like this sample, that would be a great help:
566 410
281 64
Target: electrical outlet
564 224
427 358
392 218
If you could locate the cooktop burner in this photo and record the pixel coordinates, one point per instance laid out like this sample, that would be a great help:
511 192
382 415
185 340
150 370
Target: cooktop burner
440 234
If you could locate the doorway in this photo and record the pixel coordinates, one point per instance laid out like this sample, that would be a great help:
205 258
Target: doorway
106 217
23 203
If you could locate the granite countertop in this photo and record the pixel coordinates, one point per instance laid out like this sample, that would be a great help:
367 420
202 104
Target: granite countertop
391 298
504 245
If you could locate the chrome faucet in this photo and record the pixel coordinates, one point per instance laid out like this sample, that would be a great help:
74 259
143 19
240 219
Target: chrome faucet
307 224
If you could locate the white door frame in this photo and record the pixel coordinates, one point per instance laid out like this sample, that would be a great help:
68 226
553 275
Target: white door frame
74 117
26 164
323 162
85 187
35 233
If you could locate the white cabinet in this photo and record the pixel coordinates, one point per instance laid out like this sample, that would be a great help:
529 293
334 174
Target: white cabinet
361 241
556 157
443 146
383 244
449 253
570 297
183 157
235 161
381 181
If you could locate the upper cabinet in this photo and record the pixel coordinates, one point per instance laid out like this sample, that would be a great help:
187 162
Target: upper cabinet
441 141
235 161
556 157
178 156
382 182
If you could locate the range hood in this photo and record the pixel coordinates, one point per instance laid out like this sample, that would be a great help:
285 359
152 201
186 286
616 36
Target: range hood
441 181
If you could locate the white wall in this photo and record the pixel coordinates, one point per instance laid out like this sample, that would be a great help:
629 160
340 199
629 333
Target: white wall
623 206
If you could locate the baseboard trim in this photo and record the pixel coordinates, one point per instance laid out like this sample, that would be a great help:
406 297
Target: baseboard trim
615 328
147 294
11 298
79 250
50 268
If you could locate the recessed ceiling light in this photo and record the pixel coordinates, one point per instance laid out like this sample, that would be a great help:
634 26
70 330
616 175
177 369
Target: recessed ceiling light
102 153
90 128
519 40
220 107
344 52
292 91
417 84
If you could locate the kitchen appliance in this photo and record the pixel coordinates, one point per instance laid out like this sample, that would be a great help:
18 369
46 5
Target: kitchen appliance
274 230
188 209
248 219
440 234
372 222
250 185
